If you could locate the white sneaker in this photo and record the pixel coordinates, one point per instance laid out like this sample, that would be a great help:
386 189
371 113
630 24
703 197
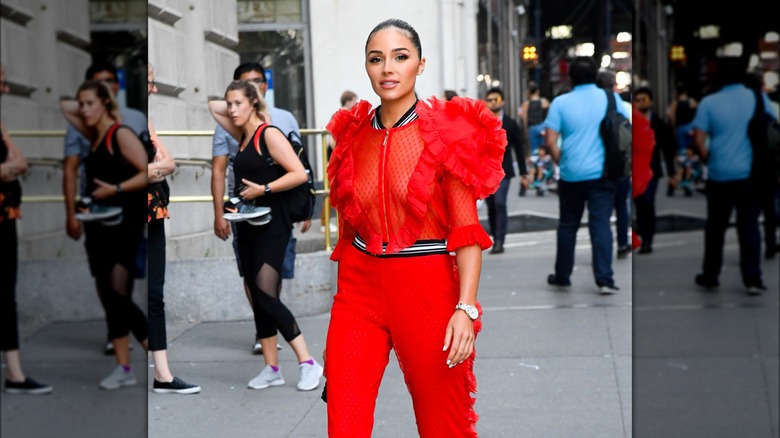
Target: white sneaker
118 378
267 377
309 376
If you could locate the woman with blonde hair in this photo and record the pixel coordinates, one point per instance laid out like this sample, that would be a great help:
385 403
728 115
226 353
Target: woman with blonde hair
116 170
262 244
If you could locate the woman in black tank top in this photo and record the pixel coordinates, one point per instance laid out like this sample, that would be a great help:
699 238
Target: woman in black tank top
261 248
116 176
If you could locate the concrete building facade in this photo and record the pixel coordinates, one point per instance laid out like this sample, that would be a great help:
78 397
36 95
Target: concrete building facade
313 51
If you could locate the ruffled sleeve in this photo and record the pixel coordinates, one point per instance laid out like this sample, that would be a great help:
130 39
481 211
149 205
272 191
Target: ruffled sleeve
467 139
343 126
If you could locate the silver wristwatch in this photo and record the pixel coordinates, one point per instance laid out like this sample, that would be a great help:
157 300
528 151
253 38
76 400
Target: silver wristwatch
470 310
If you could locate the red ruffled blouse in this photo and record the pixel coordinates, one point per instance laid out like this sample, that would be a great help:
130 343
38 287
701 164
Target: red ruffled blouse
419 181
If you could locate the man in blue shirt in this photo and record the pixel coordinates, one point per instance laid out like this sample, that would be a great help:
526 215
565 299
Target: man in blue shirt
575 116
723 117
77 148
224 149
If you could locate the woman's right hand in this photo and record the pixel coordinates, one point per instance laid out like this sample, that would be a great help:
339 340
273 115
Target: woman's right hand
221 228
73 227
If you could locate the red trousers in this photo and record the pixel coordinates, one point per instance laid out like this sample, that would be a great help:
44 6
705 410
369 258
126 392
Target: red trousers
404 304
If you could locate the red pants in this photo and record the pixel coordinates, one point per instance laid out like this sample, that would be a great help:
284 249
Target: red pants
404 304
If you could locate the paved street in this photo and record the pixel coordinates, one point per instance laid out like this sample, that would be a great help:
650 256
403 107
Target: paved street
549 363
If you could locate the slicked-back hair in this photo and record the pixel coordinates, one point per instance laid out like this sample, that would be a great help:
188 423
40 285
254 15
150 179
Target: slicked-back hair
401 25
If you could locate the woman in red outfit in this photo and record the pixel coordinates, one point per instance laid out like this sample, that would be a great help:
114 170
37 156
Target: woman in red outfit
405 178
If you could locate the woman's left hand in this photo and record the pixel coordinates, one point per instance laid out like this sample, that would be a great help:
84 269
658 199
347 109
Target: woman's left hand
459 338
251 191
103 190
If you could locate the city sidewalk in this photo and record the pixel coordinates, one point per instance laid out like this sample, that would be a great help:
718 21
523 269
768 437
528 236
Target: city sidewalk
546 361
549 363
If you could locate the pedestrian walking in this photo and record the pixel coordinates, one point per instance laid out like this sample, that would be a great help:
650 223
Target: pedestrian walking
721 136
405 178
662 162
76 150
576 116
262 246
113 216
160 165
224 149
12 165
498 216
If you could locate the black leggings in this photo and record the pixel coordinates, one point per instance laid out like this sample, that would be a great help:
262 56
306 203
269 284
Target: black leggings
156 280
112 252
262 258
9 263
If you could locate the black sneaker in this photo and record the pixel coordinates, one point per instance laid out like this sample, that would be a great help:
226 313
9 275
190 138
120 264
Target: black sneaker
706 282
176 386
756 289
29 386
553 280
770 251
623 252
608 289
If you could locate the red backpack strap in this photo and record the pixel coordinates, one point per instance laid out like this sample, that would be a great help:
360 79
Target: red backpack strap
256 139
110 137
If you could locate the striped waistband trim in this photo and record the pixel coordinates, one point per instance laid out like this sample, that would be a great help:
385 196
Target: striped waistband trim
418 248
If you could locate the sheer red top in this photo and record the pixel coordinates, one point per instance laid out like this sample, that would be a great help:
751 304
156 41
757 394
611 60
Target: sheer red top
419 181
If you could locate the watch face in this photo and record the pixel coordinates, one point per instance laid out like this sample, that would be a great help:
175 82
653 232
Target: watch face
471 311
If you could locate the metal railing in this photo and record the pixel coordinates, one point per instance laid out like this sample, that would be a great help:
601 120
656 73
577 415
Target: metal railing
324 192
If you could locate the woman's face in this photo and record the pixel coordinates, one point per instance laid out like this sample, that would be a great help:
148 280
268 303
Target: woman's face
91 108
239 108
151 87
392 64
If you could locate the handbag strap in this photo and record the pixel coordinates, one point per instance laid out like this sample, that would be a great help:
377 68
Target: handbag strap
611 105
759 103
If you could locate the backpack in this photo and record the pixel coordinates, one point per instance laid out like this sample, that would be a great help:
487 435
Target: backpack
299 200
615 130
764 135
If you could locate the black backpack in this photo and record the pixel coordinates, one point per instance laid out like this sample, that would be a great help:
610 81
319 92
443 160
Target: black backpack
764 135
301 199
615 132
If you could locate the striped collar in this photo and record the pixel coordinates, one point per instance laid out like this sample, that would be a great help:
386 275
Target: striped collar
408 117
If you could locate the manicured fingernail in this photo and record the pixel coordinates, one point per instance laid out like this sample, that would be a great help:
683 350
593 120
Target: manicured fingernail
444 349
448 362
